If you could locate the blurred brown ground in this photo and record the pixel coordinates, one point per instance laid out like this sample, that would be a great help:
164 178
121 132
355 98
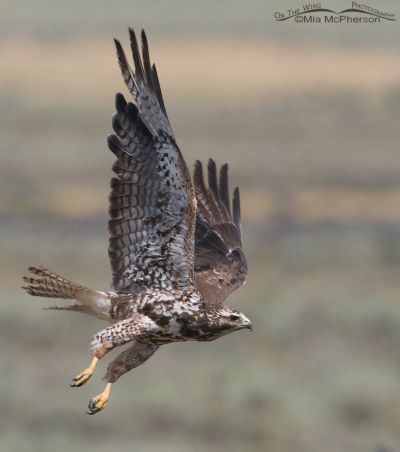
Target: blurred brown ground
308 118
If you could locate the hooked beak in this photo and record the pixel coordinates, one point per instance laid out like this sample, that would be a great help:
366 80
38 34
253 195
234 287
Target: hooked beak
247 323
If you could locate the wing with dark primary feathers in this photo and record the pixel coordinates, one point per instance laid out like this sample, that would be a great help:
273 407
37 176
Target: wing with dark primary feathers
219 263
152 202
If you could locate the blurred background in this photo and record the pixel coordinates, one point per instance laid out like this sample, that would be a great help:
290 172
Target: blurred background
308 117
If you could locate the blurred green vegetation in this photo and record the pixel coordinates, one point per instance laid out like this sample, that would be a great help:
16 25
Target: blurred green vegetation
317 159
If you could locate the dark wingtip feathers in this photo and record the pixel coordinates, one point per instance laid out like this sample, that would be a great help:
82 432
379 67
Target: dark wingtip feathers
143 73
146 62
120 54
118 45
136 55
123 107
212 178
236 208
198 176
145 44
157 87
113 143
224 187
120 102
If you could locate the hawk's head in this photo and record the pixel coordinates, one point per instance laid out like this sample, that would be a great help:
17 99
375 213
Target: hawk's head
228 320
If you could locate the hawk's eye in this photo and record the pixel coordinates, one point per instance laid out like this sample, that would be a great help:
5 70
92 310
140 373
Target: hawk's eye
233 318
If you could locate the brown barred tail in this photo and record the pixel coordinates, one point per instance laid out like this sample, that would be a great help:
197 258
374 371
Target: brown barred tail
46 283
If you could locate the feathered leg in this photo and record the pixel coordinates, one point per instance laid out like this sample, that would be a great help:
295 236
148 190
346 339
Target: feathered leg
133 357
119 333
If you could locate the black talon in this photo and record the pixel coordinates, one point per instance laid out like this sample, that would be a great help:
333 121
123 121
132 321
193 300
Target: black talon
92 408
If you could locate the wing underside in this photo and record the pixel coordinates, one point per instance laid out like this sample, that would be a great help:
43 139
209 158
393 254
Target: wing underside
152 204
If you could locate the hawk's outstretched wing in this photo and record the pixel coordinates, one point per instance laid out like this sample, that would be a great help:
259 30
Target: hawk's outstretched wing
152 202
220 265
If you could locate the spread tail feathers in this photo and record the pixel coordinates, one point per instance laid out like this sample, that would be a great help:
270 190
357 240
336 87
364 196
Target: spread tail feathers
46 283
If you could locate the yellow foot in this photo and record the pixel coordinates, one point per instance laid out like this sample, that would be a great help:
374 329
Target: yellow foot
84 376
99 402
